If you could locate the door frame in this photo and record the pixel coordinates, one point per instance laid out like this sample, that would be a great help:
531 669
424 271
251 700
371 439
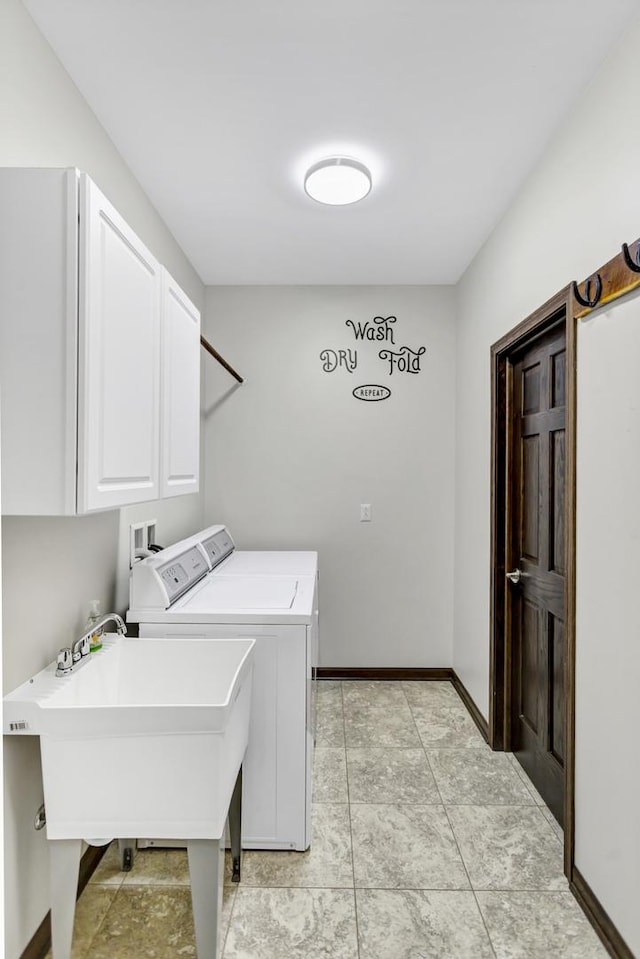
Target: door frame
556 310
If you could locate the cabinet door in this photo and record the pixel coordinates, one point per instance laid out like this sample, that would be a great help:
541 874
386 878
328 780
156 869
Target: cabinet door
180 392
119 360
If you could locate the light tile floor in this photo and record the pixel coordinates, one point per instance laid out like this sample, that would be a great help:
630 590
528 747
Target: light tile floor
426 845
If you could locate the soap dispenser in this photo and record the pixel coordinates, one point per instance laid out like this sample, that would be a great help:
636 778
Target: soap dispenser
95 639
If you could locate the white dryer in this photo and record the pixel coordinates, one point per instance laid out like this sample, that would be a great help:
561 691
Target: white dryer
202 586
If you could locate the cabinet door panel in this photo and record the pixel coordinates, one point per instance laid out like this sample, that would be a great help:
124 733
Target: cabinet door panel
119 339
180 438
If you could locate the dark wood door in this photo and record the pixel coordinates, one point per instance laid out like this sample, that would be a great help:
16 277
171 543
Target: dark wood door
536 541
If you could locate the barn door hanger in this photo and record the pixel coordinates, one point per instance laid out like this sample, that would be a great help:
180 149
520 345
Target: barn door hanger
619 276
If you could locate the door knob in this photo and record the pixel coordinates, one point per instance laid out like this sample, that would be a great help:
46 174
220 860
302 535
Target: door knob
514 576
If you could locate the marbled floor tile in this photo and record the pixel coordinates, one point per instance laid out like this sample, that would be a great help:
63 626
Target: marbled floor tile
152 922
390 775
108 871
537 798
329 775
508 847
537 925
328 691
159 867
292 924
405 847
558 831
326 863
329 724
477 777
411 924
147 922
380 726
448 726
91 909
431 694
365 693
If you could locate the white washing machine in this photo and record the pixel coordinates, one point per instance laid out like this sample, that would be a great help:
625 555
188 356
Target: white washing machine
202 586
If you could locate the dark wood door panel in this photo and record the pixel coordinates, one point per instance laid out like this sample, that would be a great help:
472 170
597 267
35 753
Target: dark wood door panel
556 682
529 652
530 511
537 547
531 388
558 379
556 502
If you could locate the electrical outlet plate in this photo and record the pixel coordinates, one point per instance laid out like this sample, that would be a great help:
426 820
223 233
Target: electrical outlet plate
140 535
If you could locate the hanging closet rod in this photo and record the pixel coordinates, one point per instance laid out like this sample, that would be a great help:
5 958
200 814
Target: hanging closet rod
617 277
214 353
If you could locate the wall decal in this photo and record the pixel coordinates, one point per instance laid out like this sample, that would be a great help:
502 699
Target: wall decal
380 331
332 359
372 393
405 360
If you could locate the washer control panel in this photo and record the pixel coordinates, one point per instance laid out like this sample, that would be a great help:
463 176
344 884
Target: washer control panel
182 572
218 546
158 581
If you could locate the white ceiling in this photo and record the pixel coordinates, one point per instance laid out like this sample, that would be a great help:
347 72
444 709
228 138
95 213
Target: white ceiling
219 106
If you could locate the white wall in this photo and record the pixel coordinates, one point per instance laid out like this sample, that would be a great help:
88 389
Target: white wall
607 621
572 216
45 122
292 454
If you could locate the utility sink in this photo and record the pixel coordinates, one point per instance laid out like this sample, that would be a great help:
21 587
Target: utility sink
144 740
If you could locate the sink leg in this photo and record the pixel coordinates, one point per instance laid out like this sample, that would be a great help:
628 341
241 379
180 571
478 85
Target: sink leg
206 870
127 851
64 867
235 827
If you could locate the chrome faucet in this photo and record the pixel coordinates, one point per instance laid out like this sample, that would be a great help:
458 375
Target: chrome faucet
73 657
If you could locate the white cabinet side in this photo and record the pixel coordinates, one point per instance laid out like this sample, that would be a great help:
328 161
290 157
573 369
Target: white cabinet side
38 315
119 360
180 403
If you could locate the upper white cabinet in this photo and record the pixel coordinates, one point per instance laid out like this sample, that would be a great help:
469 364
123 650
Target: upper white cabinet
96 368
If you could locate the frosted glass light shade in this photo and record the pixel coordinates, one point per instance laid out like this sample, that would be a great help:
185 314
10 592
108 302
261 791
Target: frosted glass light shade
337 181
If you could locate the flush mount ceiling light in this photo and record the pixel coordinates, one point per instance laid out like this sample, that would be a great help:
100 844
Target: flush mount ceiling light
337 181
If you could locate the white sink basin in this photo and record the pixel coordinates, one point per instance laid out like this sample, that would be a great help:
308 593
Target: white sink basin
143 740
133 686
